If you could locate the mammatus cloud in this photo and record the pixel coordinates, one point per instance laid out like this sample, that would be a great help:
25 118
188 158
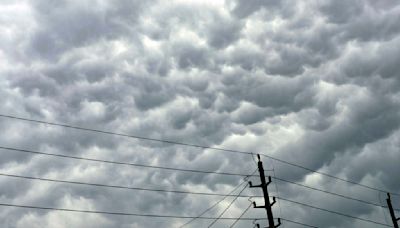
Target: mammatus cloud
313 83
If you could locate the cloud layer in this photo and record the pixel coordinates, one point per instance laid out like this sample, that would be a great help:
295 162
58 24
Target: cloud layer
314 83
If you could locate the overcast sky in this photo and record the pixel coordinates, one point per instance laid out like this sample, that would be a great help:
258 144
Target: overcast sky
311 82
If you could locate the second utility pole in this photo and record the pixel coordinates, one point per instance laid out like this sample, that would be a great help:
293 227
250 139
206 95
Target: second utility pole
392 215
264 186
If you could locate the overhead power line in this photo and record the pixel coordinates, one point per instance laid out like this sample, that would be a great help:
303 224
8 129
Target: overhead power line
122 163
183 192
298 223
122 187
193 145
241 215
118 213
121 134
334 212
327 175
187 170
229 205
218 202
328 192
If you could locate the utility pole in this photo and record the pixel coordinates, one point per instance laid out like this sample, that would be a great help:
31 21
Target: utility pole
394 219
267 203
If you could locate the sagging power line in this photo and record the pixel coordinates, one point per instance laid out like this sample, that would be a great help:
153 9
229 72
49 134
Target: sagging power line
229 205
218 202
122 163
198 193
333 212
123 187
119 213
186 170
192 145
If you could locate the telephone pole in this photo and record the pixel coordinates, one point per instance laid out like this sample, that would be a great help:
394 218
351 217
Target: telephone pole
394 219
267 203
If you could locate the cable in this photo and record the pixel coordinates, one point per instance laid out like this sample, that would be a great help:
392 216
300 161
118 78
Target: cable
119 134
229 205
215 204
185 192
192 145
241 215
117 213
328 175
327 192
183 170
122 163
334 212
298 223
187 170
121 187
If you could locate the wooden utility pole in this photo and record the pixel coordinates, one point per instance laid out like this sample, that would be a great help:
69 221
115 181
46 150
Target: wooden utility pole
394 219
264 187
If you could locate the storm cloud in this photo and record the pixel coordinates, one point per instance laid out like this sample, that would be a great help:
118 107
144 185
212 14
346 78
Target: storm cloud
315 83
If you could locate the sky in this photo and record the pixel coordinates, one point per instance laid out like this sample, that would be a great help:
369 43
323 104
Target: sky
314 83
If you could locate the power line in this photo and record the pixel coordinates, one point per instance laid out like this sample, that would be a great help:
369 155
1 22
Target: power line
333 212
327 175
229 205
179 192
118 213
121 134
122 187
192 145
215 204
186 170
298 223
327 192
241 215
122 163
186 192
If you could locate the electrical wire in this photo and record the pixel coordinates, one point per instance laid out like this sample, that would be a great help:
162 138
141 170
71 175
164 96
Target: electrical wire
218 202
298 223
192 145
186 170
327 192
229 205
118 213
187 192
333 212
122 187
328 175
121 163
241 215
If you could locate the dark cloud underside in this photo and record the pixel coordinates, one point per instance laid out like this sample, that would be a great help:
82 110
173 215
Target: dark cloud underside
312 82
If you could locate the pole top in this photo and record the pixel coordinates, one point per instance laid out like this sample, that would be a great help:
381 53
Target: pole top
258 156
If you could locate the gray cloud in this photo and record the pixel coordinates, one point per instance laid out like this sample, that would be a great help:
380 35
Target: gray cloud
313 83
